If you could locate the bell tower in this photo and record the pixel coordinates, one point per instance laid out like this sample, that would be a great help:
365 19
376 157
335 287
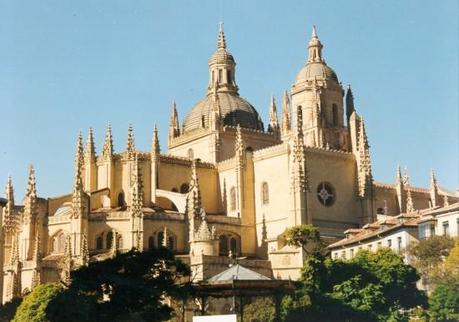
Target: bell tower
317 90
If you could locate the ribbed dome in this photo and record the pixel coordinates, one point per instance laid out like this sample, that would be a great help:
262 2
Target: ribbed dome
234 110
317 70
221 56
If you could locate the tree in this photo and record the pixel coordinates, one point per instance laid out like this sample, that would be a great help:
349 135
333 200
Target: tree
305 236
33 307
130 286
262 309
427 255
370 287
444 302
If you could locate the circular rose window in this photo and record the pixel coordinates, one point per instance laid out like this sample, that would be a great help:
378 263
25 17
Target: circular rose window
326 194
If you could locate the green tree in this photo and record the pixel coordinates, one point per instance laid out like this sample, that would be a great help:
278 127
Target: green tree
130 286
306 237
444 302
262 309
33 307
427 255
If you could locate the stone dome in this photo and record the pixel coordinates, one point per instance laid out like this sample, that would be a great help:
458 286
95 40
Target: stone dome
234 110
314 70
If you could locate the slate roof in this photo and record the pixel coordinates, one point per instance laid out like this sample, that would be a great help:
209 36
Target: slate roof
237 272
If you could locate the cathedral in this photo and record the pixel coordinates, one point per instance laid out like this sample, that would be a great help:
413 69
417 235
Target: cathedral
226 189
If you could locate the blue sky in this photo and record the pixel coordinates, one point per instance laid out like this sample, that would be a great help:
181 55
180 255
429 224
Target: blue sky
68 65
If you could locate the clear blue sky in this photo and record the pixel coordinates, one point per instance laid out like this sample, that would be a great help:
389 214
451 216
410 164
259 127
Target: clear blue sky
68 65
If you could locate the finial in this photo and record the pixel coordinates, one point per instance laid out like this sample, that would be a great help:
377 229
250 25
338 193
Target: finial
221 42
90 147
31 184
314 32
107 151
155 144
130 147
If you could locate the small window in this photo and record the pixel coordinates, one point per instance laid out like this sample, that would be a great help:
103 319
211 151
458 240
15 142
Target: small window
399 244
352 252
233 198
389 243
220 76
228 77
379 245
445 225
264 193
203 121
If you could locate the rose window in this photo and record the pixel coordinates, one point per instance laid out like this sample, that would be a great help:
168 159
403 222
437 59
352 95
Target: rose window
326 194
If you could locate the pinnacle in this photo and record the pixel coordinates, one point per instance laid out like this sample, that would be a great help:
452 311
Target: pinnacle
107 151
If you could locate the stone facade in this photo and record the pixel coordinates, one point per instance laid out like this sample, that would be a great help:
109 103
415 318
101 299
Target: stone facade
226 188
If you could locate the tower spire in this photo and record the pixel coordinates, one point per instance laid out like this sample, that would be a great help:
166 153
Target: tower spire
286 123
174 127
273 126
78 206
107 151
349 103
365 176
30 199
9 216
315 48
434 195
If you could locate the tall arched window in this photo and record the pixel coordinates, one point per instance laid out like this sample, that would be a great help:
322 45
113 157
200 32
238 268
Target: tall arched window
120 241
223 245
264 193
61 243
171 242
99 243
151 242
233 198
233 245
335 114
121 201
160 238
109 240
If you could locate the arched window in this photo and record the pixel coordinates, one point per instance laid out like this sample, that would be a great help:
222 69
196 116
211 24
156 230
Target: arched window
171 242
121 201
120 241
54 245
335 114
203 121
109 240
190 154
160 239
220 75
233 245
151 242
184 188
264 193
61 243
223 245
233 198
228 77
100 242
